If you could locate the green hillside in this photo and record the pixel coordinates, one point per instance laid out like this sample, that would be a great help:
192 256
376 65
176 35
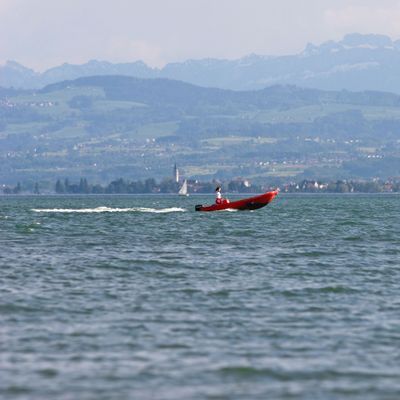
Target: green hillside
108 127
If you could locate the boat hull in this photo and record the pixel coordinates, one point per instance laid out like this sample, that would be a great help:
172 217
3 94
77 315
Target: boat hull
252 203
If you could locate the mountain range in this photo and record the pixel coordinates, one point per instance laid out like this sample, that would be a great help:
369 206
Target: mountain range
357 62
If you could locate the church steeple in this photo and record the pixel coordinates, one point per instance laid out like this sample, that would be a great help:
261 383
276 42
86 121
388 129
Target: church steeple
176 173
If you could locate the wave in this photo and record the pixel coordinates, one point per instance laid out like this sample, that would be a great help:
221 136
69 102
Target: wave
108 210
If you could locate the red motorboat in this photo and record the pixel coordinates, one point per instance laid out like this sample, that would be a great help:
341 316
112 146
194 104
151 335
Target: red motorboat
251 203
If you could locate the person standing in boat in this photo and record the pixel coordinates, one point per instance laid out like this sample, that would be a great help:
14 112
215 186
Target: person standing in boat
218 196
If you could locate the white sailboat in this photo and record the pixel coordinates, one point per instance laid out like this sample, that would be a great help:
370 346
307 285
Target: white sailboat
183 191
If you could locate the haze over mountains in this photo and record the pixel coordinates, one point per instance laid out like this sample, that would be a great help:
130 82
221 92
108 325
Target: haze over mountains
358 62
290 120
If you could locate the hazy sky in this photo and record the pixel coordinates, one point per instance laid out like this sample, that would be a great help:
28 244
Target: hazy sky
45 33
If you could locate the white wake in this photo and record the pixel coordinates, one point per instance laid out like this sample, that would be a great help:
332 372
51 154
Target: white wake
108 210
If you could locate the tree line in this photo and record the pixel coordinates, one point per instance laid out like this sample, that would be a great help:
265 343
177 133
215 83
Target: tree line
118 186
150 185
121 186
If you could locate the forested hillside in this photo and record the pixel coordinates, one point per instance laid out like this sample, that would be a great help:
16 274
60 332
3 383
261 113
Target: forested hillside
106 127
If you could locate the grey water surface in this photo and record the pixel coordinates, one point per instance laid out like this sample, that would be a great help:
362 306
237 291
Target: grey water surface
140 297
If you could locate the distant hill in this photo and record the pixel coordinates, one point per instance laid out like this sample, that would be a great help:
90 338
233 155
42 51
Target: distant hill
356 63
171 92
106 127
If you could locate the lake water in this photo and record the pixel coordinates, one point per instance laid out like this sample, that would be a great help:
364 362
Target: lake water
140 297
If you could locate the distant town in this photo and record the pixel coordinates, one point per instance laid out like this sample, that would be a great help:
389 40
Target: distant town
171 185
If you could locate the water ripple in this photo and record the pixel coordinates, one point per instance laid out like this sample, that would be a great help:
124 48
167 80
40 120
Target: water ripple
141 297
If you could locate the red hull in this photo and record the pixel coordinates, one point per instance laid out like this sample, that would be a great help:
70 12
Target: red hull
252 203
